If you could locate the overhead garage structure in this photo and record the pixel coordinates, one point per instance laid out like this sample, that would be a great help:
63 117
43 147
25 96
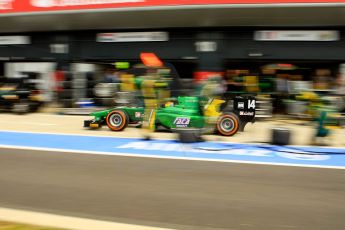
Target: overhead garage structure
52 15
195 20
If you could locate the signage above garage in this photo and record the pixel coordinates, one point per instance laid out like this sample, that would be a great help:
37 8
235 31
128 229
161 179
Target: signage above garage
14 40
31 6
297 35
133 37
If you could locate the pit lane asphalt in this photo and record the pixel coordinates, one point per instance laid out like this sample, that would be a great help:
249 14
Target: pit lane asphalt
173 193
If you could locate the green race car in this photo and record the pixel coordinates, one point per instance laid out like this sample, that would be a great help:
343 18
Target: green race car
226 118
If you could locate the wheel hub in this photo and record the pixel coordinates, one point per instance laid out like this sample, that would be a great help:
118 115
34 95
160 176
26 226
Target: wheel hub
227 124
116 120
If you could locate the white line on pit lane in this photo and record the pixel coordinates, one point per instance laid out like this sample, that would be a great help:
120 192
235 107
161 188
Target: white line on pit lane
65 222
166 157
78 134
29 123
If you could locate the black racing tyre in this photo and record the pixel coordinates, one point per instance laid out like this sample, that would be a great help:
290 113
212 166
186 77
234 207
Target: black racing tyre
228 124
67 103
117 120
35 106
189 135
280 136
21 107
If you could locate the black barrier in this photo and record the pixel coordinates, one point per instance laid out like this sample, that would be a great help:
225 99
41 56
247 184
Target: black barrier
189 135
280 136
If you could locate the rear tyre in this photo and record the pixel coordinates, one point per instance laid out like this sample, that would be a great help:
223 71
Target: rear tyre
117 120
228 124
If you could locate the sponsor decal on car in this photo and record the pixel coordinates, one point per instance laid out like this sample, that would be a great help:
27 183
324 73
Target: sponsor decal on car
251 104
243 113
137 114
240 105
182 122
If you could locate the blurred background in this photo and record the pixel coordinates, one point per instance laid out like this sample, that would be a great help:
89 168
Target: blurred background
65 54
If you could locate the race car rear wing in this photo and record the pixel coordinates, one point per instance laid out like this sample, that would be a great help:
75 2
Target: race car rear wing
244 108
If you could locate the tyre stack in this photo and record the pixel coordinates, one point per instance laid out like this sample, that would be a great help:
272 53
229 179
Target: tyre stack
35 85
105 93
79 85
90 84
189 135
280 136
66 95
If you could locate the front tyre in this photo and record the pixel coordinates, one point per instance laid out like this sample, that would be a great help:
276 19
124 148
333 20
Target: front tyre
228 124
117 120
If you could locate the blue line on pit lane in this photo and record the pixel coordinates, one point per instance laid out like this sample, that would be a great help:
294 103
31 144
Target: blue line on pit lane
316 156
